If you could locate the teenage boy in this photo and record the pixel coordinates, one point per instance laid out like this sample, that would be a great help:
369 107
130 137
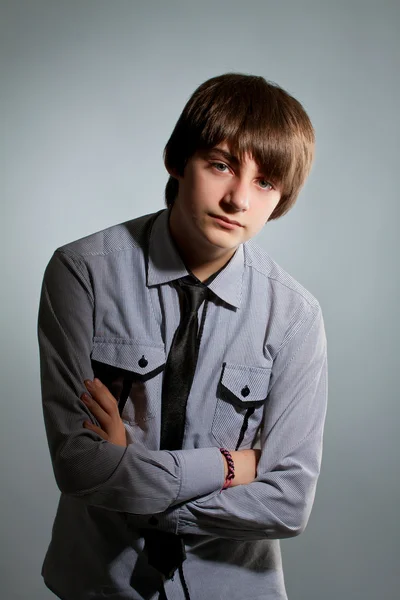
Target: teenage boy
154 409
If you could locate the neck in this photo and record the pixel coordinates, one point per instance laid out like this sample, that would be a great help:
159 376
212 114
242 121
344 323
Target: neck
202 267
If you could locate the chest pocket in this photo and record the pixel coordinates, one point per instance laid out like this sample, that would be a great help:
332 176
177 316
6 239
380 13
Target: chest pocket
241 394
132 372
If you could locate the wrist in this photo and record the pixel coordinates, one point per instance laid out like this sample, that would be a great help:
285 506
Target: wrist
225 466
229 468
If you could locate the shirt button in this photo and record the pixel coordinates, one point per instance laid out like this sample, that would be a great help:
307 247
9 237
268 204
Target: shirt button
143 362
245 391
153 521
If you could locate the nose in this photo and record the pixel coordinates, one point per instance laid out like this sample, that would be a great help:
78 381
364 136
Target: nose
238 196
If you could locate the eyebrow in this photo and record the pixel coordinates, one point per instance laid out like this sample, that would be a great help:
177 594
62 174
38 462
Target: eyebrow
225 154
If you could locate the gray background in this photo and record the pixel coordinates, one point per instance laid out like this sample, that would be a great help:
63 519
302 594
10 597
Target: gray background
90 92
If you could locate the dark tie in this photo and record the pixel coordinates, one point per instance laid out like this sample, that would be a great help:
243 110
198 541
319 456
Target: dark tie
180 366
166 551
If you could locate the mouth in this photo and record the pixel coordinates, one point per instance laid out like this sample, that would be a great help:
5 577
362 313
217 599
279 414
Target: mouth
225 222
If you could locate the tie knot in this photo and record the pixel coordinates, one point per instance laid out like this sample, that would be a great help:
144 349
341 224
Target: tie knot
194 294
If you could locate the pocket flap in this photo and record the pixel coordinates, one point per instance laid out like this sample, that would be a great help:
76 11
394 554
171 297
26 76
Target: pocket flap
130 355
246 384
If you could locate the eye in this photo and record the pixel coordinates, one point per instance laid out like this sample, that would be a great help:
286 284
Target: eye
217 165
266 185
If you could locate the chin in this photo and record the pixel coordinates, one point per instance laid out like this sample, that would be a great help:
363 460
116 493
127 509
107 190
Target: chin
221 240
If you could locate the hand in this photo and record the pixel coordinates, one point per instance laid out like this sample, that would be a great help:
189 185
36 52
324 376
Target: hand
245 462
104 407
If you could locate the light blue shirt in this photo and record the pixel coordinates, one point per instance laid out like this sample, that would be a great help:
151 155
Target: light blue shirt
108 309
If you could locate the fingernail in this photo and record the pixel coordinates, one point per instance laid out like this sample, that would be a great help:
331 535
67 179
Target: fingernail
88 383
97 382
85 397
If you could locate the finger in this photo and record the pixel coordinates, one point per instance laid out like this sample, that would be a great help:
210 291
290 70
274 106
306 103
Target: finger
101 415
100 385
96 429
102 395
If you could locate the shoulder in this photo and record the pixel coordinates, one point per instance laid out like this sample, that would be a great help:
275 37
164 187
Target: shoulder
279 282
294 311
117 238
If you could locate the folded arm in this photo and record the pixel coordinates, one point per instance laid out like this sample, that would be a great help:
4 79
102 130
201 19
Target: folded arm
104 408
278 503
131 479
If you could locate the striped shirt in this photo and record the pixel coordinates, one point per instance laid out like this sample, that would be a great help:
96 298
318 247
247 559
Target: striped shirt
109 309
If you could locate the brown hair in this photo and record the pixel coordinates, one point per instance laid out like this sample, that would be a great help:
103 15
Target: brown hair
253 116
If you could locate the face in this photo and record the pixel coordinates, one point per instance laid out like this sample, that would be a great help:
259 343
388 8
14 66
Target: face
221 203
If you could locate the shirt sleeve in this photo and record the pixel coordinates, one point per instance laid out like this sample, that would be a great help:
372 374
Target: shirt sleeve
133 479
278 503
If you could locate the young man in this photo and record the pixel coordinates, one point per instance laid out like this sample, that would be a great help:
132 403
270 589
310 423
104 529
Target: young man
184 372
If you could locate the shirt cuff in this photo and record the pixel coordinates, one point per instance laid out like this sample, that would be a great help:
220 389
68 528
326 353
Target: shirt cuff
202 472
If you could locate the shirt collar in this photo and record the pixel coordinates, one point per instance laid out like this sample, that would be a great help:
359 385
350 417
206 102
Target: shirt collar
165 264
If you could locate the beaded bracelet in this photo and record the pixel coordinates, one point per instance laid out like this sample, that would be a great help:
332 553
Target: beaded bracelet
231 467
